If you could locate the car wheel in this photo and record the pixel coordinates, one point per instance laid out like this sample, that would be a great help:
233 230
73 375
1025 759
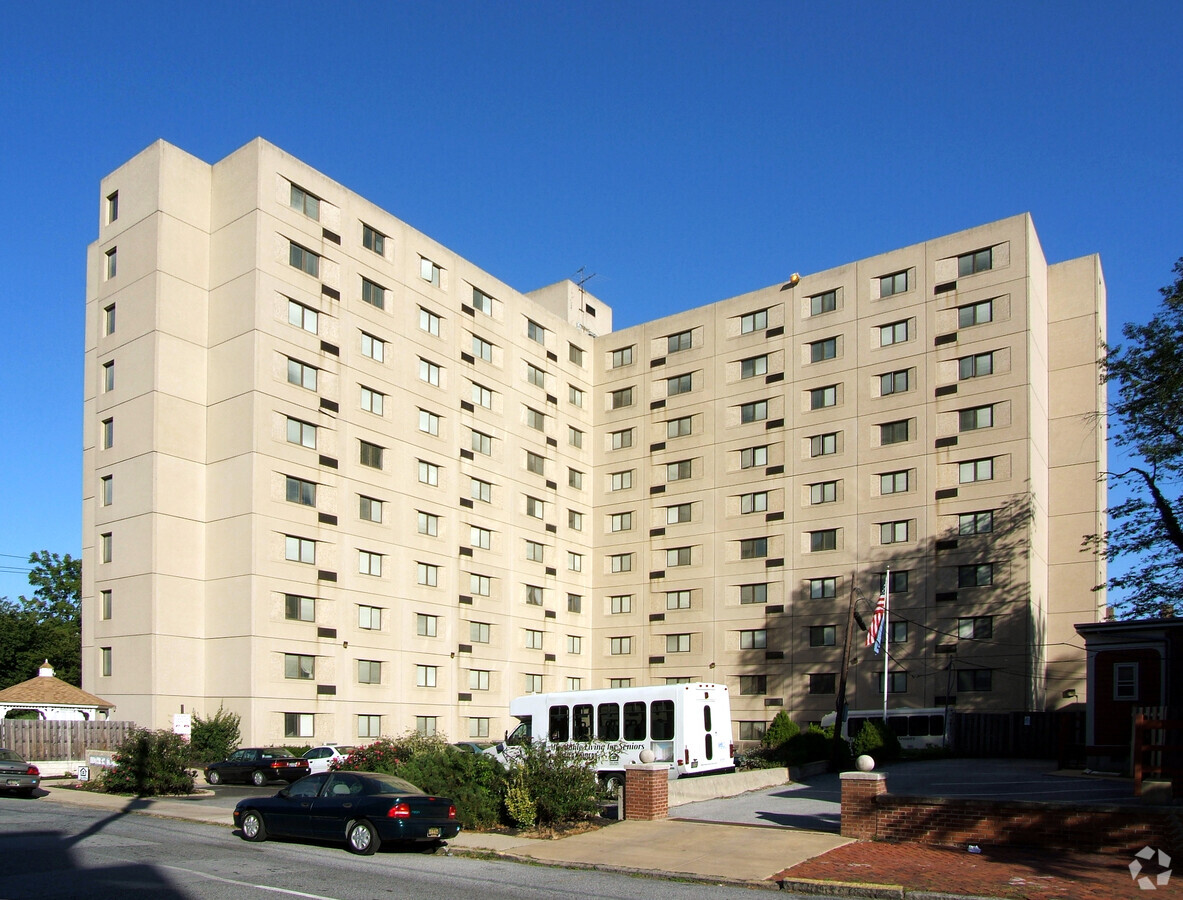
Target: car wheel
613 784
253 828
362 838
213 777
258 778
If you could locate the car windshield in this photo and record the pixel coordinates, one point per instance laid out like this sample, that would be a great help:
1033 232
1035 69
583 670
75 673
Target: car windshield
388 784
9 756
280 752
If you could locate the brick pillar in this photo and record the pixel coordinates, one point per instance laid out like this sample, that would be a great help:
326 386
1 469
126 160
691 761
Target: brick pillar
859 813
647 791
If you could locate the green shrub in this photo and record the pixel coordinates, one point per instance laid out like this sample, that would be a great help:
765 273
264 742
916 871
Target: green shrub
811 745
561 782
150 763
474 782
518 803
780 730
215 738
876 740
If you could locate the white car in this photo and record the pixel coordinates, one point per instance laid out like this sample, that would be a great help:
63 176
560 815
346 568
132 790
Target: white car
321 759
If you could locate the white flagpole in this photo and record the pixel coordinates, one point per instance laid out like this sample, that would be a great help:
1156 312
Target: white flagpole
886 638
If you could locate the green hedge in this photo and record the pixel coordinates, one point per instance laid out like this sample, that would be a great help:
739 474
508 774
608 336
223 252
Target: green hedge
150 763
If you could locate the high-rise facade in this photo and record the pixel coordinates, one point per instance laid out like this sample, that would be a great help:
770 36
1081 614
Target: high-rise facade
341 481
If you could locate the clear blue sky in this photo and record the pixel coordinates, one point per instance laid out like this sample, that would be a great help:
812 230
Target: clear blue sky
685 152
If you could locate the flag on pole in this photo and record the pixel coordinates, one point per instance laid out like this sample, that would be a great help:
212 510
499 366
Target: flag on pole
875 632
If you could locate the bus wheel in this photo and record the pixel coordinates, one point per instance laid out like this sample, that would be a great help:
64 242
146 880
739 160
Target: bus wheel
613 784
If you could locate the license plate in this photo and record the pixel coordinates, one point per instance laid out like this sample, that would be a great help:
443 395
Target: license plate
433 832
14 781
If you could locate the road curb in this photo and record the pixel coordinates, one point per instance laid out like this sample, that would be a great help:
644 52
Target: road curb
870 891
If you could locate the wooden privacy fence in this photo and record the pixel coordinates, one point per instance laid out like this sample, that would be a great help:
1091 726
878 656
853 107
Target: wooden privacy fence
1017 735
1158 749
48 740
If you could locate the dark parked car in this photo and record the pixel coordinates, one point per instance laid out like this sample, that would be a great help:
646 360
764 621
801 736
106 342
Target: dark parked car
257 765
363 809
16 775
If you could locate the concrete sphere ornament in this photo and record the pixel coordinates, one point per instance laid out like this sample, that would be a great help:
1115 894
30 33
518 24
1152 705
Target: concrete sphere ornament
864 763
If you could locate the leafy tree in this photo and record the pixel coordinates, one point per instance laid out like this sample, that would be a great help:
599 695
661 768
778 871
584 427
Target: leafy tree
215 738
47 625
1148 374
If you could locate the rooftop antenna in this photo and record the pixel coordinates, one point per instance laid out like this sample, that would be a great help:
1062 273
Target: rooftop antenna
583 279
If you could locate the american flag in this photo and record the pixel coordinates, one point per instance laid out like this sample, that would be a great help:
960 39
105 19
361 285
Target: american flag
875 632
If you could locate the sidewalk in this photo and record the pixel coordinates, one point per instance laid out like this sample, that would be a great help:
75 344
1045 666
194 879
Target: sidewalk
754 856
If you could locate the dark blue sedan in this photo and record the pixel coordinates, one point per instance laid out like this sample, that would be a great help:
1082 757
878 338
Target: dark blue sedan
361 808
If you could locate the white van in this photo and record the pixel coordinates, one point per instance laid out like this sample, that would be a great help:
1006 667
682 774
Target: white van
687 726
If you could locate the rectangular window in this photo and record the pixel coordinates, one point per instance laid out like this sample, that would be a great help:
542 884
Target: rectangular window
823 635
535 332
895 333
300 491
574 395
297 666
975 470
574 684
109 376
369 563
752 731
1125 681
574 354
533 639
826 539
369 726
975 366
300 609
373 240
426 725
427 574
369 618
535 508
751 457
303 317
478 632
297 725
574 520
978 261
895 283
677 471
535 596
756 411
975 313
753 548
426 676
975 628
621 562
105 662
482 301
822 683
680 427
893 532
429 271
899 582
975 575
893 432
109 320
621 481
622 439
974 680
298 549
754 639
823 303
481 538
370 455
304 202
574 561
894 482
824 349
369 671
574 437
535 375
678 513
677 599
478 679
481 585
753 321
112 207
105 605
111 258
621 398
753 593
823 492
574 603
429 372
107 490
677 643
823 444
303 259
482 396
105 547
108 429
426 626
301 375
822 397
428 473
898 682
899 632
533 684
975 522
535 419
683 340
372 401
429 322
620 646
482 349
621 603
482 443
575 478
480 490
372 347
679 384
373 294
622 357
753 366
678 556
823 588
893 382
975 418
426 523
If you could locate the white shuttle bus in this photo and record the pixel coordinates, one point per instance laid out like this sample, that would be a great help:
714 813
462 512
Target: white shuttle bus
687 726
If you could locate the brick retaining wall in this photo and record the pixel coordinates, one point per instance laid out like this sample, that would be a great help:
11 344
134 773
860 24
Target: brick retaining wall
646 791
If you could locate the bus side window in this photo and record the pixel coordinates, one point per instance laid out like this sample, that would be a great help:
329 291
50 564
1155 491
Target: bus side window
706 718
661 720
560 717
521 734
634 721
581 727
609 722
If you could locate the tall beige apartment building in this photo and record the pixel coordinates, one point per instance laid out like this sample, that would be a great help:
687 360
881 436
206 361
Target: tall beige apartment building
343 482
